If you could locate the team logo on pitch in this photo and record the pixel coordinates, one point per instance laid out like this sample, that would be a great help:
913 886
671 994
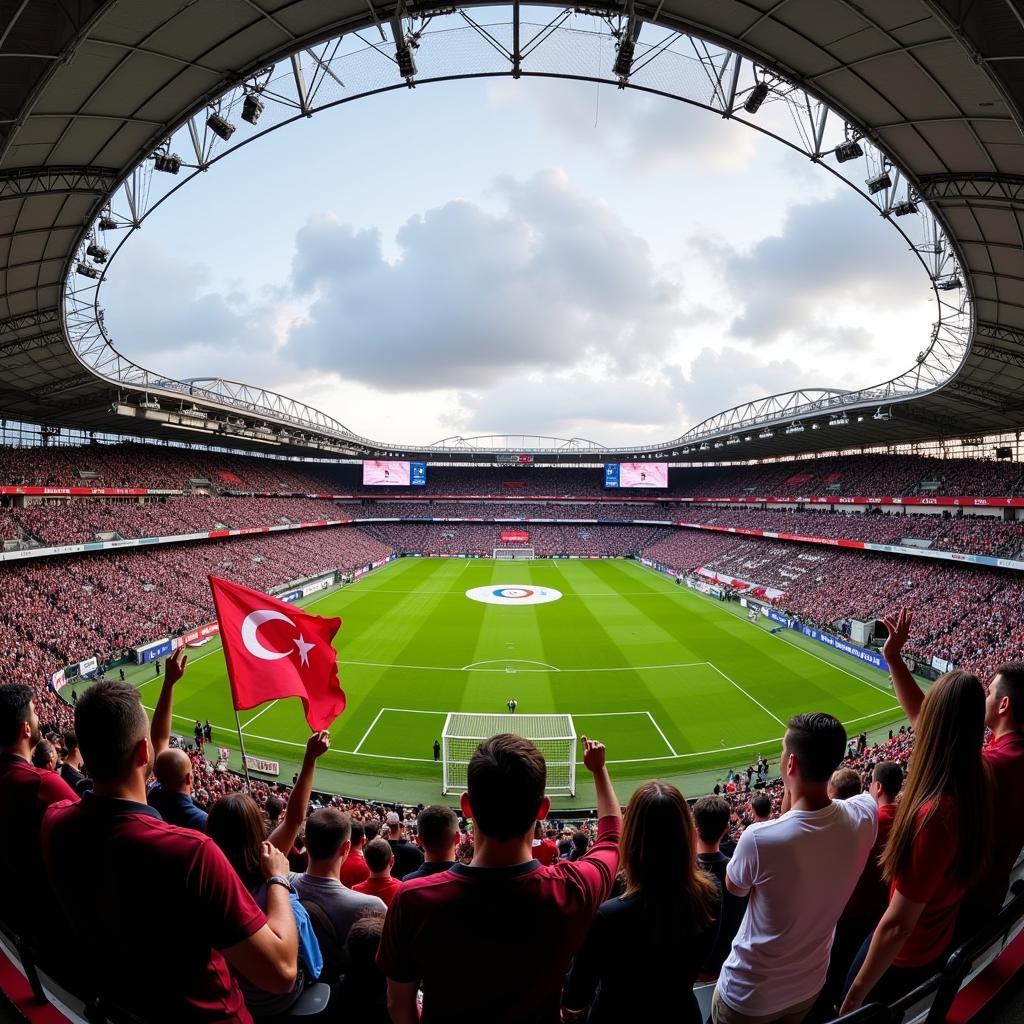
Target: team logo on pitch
513 594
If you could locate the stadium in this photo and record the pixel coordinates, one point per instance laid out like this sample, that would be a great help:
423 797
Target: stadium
485 633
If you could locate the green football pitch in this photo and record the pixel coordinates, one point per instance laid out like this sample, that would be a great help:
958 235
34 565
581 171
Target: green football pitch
677 685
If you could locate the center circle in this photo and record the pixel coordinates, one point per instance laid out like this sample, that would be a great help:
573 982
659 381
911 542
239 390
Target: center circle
513 594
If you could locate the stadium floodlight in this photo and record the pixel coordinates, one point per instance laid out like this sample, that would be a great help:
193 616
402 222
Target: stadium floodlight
624 58
848 150
252 107
87 270
795 428
905 208
107 223
719 444
705 446
841 420
403 52
765 434
220 126
169 163
948 284
879 183
733 440
553 735
756 96
882 414
97 253
815 426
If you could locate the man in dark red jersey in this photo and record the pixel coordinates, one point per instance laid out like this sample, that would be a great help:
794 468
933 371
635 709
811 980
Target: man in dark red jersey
1004 756
504 899
25 793
155 910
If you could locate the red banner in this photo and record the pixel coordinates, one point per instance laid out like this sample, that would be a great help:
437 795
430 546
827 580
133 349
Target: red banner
515 536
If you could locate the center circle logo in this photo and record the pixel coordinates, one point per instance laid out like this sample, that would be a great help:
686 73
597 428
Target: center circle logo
513 594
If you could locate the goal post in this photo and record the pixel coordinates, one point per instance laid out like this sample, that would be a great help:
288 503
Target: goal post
553 735
513 554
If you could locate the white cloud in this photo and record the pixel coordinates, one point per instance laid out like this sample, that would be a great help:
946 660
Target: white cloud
824 279
638 131
554 280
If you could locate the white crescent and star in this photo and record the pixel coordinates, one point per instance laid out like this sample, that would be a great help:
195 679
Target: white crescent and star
251 625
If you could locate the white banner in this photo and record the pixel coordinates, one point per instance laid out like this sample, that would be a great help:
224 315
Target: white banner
259 764
87 666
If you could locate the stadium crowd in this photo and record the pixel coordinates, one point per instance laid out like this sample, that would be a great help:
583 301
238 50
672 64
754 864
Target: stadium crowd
847 878
964 614
546 540
131 464
74 522
77 521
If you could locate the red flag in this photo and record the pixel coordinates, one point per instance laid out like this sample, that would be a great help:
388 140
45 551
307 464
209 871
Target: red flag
274 650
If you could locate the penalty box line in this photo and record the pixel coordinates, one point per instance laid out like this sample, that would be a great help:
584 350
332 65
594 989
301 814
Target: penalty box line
585 714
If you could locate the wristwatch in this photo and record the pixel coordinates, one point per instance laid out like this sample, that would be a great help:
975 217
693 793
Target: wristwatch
280 880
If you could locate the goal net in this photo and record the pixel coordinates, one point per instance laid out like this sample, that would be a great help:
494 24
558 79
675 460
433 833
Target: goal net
513 554
554 736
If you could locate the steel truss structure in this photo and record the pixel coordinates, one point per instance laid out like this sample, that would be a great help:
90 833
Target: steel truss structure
624 48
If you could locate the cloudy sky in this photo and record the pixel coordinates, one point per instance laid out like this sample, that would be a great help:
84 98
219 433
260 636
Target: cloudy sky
519 257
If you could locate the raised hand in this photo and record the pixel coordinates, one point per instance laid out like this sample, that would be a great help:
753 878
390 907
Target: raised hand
899 632
272 861
593 754
175 667
318 744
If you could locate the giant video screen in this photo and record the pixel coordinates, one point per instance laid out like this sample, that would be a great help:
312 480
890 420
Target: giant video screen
394 474
636 474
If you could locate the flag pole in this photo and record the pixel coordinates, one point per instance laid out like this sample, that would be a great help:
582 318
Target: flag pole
241 743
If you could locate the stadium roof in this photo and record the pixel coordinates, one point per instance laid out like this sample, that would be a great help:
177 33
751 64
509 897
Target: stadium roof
89 89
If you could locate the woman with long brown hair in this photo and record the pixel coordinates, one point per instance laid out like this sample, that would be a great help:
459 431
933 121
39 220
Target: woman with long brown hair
938 847
236 825
644 949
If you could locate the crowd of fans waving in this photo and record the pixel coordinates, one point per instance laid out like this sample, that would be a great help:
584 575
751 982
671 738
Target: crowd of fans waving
843 879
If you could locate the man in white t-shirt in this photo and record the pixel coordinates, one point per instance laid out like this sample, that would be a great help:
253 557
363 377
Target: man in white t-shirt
798 871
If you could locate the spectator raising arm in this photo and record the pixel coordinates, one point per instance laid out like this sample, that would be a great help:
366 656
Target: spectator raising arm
908 693
269 957
594 762
283 837
160 729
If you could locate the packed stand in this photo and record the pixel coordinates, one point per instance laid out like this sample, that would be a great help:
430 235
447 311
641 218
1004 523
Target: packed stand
983 535
449 539
76 522
965 614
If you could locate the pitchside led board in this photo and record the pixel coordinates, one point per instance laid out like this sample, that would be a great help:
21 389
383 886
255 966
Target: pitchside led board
636 474
394 474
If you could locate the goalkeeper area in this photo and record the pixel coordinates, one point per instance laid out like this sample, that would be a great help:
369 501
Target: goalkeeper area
677 685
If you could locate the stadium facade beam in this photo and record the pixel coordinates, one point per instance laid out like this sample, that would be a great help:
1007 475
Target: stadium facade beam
29 181
999 189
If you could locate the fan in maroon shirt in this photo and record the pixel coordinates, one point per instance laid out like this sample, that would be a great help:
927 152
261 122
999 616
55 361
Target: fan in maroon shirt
501 901
1003 756
25 794
156 912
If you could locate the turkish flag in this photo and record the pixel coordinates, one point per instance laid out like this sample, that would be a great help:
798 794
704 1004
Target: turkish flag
275 650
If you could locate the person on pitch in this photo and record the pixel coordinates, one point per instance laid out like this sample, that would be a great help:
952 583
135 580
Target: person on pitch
512 705
437 751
